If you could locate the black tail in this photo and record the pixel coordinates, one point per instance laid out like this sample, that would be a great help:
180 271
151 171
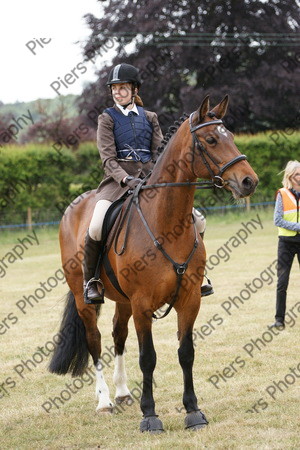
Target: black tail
71 352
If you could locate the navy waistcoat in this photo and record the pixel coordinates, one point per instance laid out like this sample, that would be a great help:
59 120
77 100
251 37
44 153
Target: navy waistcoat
133 134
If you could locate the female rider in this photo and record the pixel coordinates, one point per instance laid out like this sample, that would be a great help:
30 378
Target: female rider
127 138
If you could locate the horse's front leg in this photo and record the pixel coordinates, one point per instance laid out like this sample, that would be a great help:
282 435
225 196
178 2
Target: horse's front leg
195 419
143 326
120 331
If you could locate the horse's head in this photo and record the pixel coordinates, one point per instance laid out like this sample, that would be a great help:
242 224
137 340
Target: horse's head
215 156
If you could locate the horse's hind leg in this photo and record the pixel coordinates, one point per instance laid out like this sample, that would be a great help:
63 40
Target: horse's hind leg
120 331
186 318
88 314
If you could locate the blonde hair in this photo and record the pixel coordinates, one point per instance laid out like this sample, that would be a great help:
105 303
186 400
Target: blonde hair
289 171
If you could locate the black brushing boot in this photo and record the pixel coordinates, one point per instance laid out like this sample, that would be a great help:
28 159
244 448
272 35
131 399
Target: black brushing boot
92 251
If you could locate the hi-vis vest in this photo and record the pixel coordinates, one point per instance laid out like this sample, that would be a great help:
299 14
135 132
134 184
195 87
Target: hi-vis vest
290 211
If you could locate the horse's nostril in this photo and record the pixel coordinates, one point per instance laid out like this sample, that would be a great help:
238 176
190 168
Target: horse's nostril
248 183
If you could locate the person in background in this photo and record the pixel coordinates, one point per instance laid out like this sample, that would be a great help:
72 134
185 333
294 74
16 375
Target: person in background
286 218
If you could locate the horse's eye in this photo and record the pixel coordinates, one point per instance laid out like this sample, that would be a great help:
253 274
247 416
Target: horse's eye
211 140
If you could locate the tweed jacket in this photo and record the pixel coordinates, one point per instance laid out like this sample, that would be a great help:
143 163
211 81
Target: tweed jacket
111 187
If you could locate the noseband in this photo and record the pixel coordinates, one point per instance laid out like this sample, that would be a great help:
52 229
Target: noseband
216 179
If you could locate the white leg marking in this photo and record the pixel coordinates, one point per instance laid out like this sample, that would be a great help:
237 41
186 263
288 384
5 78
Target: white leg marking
102 391
120 377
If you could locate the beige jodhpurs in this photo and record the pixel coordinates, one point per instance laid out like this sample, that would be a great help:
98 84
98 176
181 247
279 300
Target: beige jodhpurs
95 228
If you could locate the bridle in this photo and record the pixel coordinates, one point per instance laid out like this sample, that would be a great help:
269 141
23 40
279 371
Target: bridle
217 180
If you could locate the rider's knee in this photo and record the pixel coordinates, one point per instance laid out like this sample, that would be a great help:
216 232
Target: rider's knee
95 231
200 221
95 228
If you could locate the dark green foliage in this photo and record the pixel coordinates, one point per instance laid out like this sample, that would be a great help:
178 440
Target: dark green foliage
185 50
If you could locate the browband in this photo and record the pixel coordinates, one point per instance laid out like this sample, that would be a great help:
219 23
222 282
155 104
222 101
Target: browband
212 122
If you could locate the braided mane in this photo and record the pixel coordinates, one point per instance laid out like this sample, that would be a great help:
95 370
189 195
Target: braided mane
171 130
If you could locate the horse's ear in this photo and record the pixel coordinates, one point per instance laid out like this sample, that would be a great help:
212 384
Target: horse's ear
202 110
221 108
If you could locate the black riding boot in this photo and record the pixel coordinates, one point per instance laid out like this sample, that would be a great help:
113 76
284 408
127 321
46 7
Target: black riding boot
91 255
206 289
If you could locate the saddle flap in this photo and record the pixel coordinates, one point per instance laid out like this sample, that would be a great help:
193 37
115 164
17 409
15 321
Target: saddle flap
110 217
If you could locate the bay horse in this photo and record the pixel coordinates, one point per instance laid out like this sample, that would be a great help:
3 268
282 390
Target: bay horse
164 251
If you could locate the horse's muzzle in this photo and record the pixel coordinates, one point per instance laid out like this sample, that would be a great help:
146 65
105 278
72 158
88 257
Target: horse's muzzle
243 188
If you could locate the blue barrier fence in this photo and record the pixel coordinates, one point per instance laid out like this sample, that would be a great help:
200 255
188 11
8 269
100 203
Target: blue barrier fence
209 208
25 225
238 206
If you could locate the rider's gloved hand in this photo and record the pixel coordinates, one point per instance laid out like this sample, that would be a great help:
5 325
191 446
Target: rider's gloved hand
132 182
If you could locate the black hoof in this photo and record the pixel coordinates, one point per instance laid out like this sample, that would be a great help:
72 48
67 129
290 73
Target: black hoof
195 420
151 424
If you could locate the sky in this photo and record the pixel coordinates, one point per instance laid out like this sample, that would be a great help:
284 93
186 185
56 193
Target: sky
26 76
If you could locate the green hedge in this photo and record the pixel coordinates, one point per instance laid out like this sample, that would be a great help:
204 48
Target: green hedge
39 177
268 154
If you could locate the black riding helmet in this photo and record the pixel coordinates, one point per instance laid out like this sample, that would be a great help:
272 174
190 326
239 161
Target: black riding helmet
124 73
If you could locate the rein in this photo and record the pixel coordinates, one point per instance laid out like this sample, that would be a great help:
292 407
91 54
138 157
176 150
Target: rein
216 181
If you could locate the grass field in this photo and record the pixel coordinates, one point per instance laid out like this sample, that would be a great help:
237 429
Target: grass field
247 379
